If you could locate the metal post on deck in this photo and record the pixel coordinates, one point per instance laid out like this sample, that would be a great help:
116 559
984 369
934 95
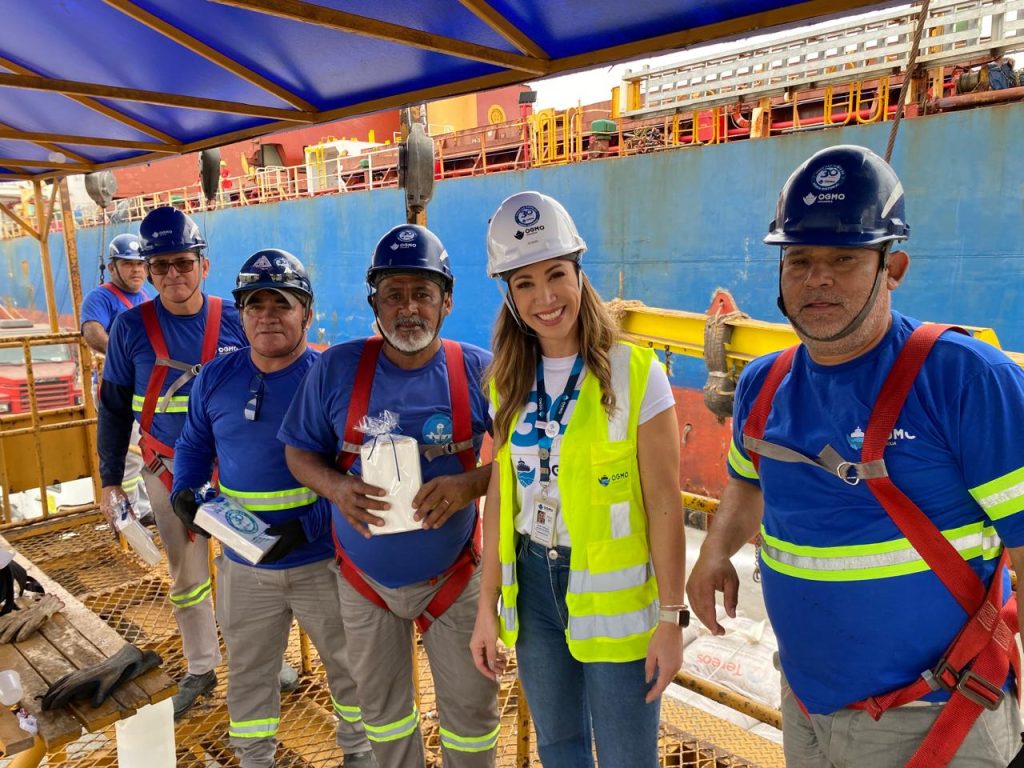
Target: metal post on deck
43 228
84 353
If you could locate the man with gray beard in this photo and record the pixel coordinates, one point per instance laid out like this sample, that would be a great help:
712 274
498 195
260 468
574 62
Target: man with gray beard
429 575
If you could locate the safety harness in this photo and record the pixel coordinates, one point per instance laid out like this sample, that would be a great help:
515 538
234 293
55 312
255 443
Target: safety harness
155 452
458 574
973 668
117 293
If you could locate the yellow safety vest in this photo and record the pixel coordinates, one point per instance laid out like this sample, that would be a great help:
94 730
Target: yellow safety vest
612 594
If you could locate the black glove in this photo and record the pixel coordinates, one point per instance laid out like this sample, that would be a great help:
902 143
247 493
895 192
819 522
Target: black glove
100 680
292 535
185 507
11 574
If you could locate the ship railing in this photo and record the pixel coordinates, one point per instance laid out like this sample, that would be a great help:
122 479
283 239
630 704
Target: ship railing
956 30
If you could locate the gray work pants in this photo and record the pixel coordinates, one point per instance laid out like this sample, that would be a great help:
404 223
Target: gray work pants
380 654
189 566
132 483
850 738
255 607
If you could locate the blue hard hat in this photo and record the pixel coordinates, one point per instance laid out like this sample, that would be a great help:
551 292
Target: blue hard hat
168 230
843 196
127 247
273 269
410 248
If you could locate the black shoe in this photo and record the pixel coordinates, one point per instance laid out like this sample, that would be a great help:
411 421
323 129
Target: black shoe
360 760
190 688
288 678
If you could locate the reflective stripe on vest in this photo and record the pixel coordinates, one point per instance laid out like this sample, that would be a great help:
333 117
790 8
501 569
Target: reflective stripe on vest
178 404
612 593
470 743
254 729
862 562
399 729
271 501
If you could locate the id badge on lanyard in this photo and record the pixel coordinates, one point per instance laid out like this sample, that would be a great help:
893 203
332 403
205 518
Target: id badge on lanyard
545 505
545 512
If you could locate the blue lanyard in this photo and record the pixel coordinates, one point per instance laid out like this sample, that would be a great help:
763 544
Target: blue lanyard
555 414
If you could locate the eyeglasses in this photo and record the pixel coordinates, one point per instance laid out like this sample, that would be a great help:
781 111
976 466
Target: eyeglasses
252 406
181 266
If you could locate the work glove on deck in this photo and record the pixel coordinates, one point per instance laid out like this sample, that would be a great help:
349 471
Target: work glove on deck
97 682
21 625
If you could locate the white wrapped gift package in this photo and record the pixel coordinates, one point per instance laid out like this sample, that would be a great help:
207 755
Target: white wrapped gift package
392 462
234 526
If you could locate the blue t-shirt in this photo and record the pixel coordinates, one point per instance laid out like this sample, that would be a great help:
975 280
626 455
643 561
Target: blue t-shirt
856 610
102 306
316 422
130 358
250 458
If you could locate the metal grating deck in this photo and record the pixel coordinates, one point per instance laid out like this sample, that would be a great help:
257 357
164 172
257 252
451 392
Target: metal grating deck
132 599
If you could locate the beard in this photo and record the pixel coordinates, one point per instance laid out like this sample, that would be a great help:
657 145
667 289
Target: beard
417 336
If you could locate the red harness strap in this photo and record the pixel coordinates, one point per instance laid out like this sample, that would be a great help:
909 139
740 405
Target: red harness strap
118 293
455 577
458 574
976 663
154 451
359 402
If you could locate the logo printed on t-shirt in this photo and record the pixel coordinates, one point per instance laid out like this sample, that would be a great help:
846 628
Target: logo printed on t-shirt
525 473
437 429
856 438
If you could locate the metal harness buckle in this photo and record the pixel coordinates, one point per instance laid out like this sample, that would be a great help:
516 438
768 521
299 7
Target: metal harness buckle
973 687
942 677
985 694
844 470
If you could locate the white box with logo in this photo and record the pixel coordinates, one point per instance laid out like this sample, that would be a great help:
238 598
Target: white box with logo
234 526
392 462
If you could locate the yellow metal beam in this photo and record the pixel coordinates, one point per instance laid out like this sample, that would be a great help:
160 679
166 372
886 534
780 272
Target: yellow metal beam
682 333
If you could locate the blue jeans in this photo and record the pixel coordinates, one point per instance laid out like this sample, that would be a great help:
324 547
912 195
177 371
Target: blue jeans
571 701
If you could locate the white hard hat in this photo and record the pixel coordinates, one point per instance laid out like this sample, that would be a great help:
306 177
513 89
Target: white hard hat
527 228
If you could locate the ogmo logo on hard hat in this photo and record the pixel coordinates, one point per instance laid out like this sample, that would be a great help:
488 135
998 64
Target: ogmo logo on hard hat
527 216
406 235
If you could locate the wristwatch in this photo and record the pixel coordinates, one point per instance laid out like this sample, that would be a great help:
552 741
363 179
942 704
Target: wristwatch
675 614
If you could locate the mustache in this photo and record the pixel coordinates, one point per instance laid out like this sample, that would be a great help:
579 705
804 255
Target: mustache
410 323
828 298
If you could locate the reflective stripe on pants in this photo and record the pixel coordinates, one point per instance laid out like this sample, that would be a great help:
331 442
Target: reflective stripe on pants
255 607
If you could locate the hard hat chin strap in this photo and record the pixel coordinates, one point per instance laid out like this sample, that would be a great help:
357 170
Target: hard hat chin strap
858 320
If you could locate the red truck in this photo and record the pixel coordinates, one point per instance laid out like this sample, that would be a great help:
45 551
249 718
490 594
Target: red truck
55 366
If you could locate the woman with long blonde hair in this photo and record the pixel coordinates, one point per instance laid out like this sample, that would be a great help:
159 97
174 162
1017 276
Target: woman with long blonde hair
584 552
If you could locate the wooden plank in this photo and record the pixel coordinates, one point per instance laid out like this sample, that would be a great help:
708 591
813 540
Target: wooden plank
76 88
309 13
83 654
51 665
12 738
55 728
156 685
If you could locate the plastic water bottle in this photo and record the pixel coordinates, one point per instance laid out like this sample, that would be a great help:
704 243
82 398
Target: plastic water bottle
135 533
10 687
